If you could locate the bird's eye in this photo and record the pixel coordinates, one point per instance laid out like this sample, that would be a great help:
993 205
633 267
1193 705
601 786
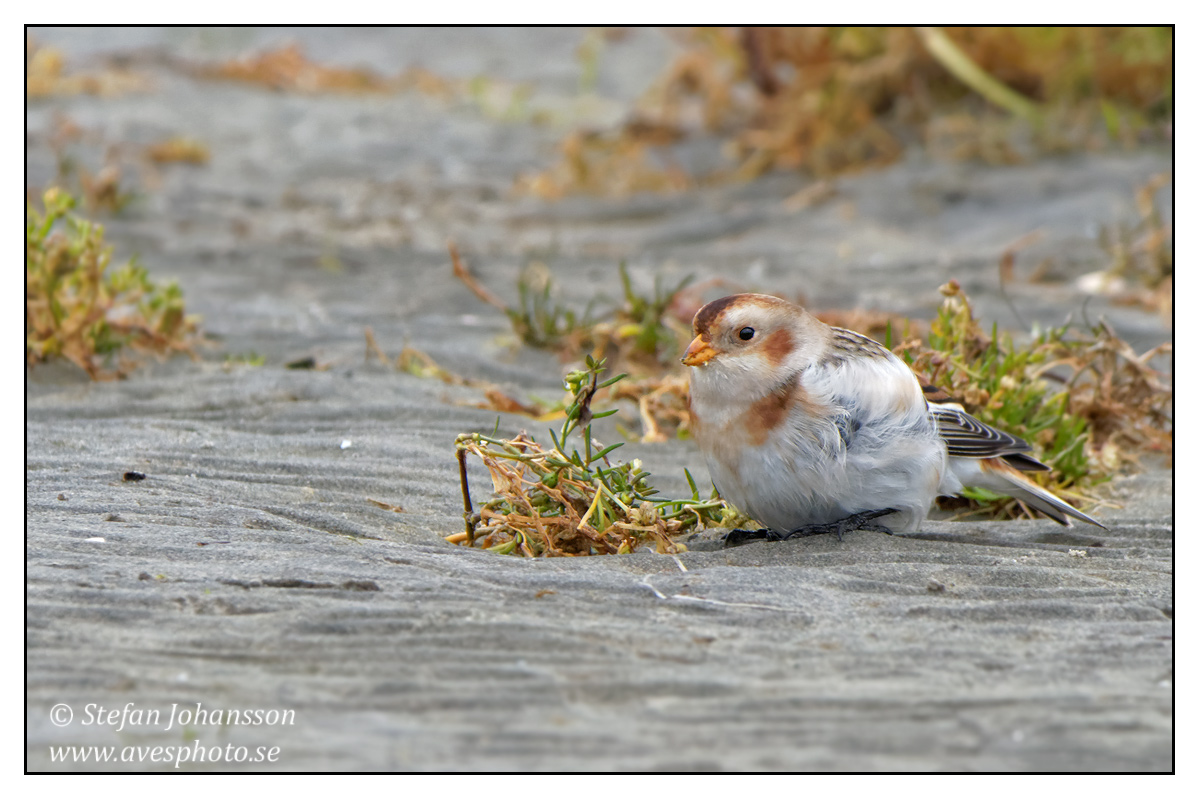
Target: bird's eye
746 334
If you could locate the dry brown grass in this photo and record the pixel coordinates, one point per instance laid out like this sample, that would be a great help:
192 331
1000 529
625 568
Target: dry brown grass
1142 261
551 501
46 75
287 68
178 150
833 100
1089 403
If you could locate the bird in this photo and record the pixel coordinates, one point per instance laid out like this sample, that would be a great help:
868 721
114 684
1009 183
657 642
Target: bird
808 428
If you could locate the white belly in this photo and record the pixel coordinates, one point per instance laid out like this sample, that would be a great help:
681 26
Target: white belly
806 479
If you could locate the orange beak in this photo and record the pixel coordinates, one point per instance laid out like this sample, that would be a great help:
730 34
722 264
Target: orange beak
699 353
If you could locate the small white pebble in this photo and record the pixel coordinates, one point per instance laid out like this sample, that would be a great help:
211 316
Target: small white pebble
346 443
1018 736
95 539
1077 553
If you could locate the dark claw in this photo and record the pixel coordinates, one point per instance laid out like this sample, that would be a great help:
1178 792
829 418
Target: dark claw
863 521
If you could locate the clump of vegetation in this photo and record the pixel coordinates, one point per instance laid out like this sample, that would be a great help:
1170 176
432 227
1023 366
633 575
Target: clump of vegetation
634 158
46 76
539 320
178 150
75 308
644 335
99 190
835 99
1083 397
287 68
661 402
549 502
105 188
1142 263
639 329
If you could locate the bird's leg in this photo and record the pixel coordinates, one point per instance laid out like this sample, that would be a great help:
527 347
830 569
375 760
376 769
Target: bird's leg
862 521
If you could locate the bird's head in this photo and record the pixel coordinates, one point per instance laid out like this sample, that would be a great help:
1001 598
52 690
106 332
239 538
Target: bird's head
753 336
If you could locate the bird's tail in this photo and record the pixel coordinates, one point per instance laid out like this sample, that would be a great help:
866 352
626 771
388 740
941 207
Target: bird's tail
998 476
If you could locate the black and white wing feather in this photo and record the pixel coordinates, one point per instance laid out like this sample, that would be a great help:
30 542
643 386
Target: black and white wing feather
967 437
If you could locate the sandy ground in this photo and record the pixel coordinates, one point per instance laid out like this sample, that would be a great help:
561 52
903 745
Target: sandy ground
248 571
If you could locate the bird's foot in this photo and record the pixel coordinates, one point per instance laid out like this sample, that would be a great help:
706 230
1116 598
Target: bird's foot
740 536
862 521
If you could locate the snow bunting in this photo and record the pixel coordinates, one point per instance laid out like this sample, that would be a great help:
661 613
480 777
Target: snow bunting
809 428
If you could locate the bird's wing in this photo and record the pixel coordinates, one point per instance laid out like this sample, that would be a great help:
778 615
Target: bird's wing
967 437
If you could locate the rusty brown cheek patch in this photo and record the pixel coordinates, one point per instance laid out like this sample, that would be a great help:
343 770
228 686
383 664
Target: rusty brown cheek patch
778 346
